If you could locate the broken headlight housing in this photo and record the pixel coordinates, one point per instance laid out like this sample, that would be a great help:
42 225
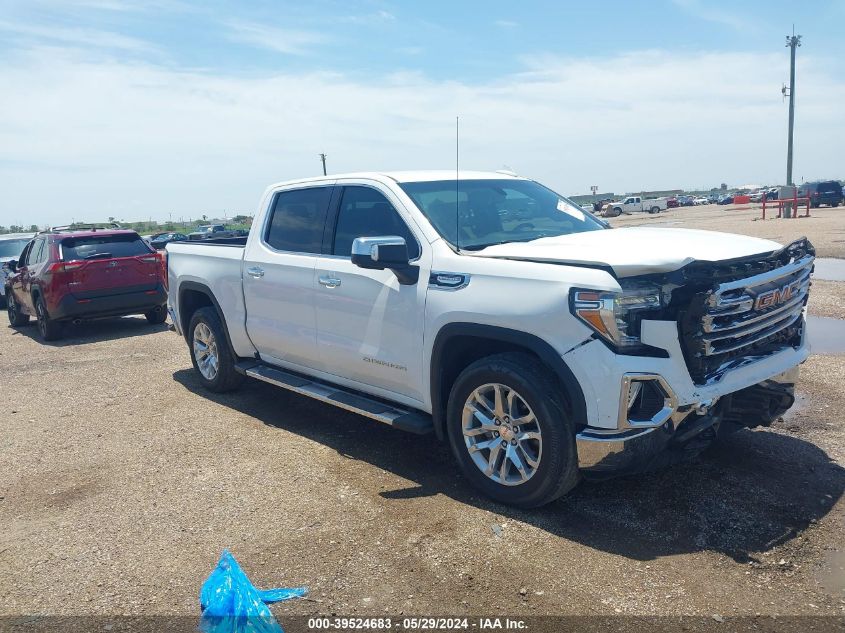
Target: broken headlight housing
616 316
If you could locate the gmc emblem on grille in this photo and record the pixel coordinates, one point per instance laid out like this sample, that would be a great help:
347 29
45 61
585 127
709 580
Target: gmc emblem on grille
777 296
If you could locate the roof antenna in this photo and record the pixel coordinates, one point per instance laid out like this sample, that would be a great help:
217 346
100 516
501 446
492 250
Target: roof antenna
457 180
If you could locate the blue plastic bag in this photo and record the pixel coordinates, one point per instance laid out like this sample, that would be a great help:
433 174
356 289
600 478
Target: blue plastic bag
230 603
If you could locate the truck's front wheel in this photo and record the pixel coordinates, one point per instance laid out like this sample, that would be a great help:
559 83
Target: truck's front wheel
210 354
509 432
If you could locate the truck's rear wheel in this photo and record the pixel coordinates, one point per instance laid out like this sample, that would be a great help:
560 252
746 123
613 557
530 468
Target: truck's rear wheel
509 432
655 209
210 354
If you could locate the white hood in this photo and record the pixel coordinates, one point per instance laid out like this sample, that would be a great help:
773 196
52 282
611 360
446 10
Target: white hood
636 250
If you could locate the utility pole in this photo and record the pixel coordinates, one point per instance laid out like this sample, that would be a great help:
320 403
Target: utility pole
323 158
792 42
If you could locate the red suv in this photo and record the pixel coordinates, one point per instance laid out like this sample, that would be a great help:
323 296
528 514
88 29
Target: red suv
69 275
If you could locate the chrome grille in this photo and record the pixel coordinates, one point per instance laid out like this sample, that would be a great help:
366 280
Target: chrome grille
747 318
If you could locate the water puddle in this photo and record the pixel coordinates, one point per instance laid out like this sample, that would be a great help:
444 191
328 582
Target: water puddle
826 335
829 269
831 575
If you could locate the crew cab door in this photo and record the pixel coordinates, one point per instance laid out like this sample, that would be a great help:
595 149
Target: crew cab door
278 275
369 326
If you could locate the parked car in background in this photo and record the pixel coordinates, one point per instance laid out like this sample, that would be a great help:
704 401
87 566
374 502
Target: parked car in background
726 200
827 192
211 231
386 300
713 198
161 240
701 201
11 247
70 275
672 203
686 201
633 204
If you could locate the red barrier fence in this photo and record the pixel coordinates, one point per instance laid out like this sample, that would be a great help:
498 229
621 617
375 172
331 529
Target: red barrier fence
793 202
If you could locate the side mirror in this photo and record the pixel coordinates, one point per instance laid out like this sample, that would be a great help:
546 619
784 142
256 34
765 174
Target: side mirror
12 265
389 252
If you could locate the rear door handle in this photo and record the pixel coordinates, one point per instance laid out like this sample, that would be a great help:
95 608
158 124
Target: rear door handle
255 271
329 282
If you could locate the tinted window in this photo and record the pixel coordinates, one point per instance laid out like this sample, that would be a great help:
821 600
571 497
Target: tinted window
103 247
365 212
35 253
298 220
829 187
12 248
473 214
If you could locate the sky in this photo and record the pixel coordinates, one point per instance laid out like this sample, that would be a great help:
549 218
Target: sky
139 109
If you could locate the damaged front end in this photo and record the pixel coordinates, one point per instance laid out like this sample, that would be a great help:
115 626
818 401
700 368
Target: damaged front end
732 337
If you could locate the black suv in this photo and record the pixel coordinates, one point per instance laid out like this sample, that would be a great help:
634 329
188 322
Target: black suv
823 192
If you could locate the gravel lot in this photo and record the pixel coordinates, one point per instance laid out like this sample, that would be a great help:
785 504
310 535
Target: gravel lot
121 482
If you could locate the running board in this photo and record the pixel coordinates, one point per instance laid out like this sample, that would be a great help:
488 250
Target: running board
401 418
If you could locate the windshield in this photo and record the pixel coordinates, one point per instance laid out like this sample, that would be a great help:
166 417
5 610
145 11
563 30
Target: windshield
497 211
12 248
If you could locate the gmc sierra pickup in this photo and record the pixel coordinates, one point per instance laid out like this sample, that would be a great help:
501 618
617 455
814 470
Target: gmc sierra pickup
541 344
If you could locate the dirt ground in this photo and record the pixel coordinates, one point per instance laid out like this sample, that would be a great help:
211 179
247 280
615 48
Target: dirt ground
121 481
825 227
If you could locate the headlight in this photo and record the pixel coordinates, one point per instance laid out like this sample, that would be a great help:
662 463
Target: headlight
616 316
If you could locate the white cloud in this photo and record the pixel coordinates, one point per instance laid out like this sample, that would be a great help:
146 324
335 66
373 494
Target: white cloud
75 36
701 10
131 140
288 41
506 24
379 17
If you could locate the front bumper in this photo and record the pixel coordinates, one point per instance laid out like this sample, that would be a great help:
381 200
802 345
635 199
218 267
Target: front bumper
604 453
613 444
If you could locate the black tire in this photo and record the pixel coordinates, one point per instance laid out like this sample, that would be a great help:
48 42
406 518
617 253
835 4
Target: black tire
157 317
557 469
617 211
654 210
49 329
225 378
16 317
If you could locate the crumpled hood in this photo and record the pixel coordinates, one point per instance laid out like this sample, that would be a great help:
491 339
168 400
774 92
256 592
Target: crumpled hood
637 250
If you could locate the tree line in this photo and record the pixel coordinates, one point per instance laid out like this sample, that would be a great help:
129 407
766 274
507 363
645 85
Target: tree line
152 226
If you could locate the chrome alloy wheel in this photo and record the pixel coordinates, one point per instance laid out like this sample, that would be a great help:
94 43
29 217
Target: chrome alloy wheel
502 434
205 351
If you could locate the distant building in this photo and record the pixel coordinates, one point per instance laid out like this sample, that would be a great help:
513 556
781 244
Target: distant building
589 199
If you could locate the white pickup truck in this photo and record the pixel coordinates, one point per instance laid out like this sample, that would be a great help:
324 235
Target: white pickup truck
542 345
633 204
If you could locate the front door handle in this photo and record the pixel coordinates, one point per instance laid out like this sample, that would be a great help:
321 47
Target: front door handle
255 271
329 282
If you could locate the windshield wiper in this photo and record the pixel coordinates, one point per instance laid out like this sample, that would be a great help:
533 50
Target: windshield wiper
99 256
479 247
